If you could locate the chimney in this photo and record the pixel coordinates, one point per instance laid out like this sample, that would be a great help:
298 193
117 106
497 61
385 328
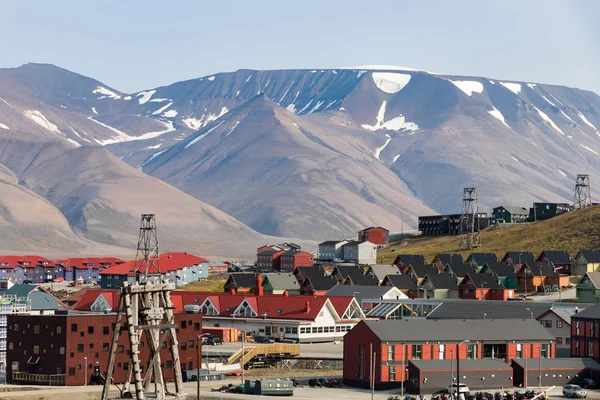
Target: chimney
259 290
286 293
232 291
307 307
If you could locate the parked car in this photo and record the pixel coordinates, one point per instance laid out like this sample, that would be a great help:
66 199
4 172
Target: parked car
588 383
216 340
574 391
262 339
462 388
59 279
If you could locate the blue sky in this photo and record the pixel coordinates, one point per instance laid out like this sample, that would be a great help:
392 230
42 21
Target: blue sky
133 45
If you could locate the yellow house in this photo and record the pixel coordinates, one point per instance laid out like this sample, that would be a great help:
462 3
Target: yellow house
586 261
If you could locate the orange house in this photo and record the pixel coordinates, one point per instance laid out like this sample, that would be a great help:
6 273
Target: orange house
477 286
537 273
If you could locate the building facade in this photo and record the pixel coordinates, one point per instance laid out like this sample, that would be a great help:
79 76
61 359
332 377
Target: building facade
509 215
360 252
290 260
436 225
544 211
332 250
374 234
558 323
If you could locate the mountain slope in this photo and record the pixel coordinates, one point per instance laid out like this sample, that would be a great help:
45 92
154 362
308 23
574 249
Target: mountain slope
285 176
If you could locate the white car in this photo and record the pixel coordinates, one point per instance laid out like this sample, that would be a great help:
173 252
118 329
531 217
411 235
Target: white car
462 389
574 391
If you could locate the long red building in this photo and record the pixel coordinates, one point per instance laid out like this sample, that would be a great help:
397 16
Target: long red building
69 346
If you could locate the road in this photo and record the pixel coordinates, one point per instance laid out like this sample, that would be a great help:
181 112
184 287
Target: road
568 294
310 350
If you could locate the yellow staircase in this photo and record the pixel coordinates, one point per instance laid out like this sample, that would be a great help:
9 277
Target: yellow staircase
263 350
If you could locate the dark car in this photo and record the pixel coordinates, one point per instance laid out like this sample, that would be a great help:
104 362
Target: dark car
216 340
262 339
588 383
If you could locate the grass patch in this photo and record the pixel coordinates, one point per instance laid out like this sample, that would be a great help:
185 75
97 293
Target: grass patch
572 231
214 283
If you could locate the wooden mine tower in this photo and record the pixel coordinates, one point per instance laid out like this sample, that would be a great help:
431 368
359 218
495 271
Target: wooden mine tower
146 305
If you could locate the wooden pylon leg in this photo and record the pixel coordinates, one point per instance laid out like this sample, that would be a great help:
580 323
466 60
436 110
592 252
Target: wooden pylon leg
174 348
113 350
135 355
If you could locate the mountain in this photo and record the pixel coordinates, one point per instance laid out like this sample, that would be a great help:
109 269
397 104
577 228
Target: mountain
319 153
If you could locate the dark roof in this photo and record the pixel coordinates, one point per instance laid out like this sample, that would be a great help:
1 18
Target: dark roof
330 242
516 210
421 270
267 252
292 253
403 282
516 256
487 281
317 277
556 256
482 258
475 309
592 312
446 259
243 279
541 268
39 298
501 268
558 363
430 330
357 275
381 271
594 277
460 269
465 365
21 290
411 259
442 281
360 292
591 255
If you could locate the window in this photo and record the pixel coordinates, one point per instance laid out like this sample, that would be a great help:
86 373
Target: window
545 350
120 349
80 348
559 324
169 363
546 323
577 328
61 351
197 326
592 329
417 351
36 349
125 365
15 366
183 324
472 351
91 346
104 346
590 349
36 329
361 361
191 344
105 330
96 355
73 327
558 340
183 345
71 371
392 374
519 350
11 346
442 352
90 329
391 354
568 340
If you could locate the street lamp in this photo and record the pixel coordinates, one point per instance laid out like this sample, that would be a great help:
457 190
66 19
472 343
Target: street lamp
85 372
530 312
458 367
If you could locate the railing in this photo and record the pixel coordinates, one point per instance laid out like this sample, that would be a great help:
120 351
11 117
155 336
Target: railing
263 350
39 379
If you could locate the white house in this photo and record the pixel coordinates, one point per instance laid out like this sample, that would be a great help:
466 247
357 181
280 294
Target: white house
360 252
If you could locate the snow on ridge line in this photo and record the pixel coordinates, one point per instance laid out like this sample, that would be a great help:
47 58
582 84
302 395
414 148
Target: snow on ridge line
390 82
197 123
548 120
211 78
587 148
498 115
199 138
106 93
513 87
390 68
39 118
468 86
584 119
395 124
146 96
4 126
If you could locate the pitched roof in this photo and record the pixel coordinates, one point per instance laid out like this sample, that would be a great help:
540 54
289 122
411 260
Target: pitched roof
482 258
540 268
502 268
556 256
460 269
243 279
441 281
564 313
357 275
465 365
483 281
403 282
559 363
420 270
449 258
594 277
39 297
89 296
592 312
27 261
410 259
167 262
295 253
281 281
452 330
476 309
591 256
373 227
331 242
381 271
360 292
516 210
319 280
518 256
85 263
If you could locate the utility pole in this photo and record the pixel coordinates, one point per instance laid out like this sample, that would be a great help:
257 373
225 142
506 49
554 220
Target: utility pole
458 368
243 354
373 387
403 368
372 381
525 377
198 362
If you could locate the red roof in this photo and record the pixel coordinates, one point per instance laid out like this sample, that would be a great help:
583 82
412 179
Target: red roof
168 262
29 261
85 263
89 296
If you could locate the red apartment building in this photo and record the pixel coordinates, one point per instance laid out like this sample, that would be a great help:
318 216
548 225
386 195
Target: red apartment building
292 259
374 234
394 343
69 346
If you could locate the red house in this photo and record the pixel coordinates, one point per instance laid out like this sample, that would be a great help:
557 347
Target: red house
374 234
391 344
476 286
269 259
292 259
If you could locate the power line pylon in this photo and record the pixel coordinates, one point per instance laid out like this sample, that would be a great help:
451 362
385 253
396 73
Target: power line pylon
583 195
470 236
147 308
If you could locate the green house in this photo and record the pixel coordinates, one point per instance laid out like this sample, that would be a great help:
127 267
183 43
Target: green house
505 271
588 288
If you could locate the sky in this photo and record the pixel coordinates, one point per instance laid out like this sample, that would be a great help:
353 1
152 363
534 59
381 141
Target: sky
135 45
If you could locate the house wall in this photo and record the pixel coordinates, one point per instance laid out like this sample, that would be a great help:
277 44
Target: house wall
329 252
434 381
581 265
377 236
585 338
559 329
356 362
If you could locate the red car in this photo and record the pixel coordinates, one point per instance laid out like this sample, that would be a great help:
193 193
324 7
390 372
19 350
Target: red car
59 279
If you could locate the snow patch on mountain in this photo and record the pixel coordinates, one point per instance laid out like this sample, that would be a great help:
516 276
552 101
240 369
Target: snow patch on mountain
170 114
515 158
121 136
548 120
151 135
39 118
316 107
159 100
127 98
94 110
232 129
248 79
587 148
567 117
395 158
498 115
390 82
199 138
77 144
558 101
468 86
78 135
584 119
211 78
152 157
197 123
513 87
380 149
106 93
360 73
285 94
545 98
306 106
145 96
395 124
562 173
163 108
531 85
291 108
156 146
2 126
